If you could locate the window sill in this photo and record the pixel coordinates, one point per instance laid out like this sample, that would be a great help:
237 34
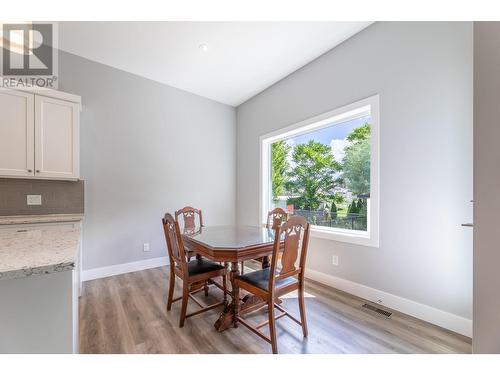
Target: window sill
348 236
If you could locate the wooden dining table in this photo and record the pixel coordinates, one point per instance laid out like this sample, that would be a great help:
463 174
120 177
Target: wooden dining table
232 245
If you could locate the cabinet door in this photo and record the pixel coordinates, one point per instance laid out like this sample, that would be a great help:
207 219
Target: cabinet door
57 134
16 134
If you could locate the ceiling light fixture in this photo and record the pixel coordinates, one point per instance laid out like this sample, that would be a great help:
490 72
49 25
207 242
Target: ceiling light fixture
203 47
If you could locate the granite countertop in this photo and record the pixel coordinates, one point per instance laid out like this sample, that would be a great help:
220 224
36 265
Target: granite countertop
38 219
37 251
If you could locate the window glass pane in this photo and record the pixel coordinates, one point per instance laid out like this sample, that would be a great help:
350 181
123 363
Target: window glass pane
324 175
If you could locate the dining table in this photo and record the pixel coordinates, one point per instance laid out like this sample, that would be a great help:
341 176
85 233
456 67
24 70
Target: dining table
231 245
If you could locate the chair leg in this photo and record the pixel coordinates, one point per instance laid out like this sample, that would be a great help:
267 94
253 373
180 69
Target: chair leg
272 326
171 290
242 268
265 262
185 296
205 288
302 309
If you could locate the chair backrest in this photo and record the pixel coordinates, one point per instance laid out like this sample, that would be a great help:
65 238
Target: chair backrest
175 245
276 217
295 236
188 216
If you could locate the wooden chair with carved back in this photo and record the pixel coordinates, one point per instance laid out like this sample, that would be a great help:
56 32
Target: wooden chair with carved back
190 272
284 276
189 226
275 218
189 215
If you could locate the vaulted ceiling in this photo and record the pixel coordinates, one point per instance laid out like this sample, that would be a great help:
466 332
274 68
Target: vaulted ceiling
225 61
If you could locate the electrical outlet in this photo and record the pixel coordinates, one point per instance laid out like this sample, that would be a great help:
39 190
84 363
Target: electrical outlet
335 260
145 247
34 200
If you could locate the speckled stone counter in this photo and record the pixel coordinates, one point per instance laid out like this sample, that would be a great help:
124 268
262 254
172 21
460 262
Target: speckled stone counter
37 251
38 219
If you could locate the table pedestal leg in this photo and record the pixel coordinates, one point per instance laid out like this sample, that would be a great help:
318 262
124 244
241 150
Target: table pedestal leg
227 317
235 293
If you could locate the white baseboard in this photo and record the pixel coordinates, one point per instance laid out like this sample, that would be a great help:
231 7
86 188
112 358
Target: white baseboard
427 313
118 269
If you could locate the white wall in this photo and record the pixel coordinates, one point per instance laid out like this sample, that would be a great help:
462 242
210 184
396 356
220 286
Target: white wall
486 187
146 148
423 73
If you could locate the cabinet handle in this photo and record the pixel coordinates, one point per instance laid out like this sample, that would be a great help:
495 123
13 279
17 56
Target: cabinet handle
37 171
29 171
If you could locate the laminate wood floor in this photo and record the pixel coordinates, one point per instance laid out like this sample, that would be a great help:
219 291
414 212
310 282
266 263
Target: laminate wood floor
127 314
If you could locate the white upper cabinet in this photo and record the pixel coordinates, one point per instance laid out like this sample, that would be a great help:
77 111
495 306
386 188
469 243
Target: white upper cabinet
57 133
17 134
39 135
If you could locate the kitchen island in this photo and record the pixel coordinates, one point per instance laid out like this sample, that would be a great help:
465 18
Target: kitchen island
39 286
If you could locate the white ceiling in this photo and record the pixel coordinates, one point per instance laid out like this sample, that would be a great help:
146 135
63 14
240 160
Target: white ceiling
243 58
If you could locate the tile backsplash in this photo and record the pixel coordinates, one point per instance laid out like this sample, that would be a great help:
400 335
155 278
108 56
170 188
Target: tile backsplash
58 197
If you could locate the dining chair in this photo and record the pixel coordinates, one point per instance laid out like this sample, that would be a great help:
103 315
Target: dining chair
189 218
284 276
190 272
188 215
275 217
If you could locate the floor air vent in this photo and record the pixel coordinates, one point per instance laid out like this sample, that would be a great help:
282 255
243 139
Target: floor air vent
384 313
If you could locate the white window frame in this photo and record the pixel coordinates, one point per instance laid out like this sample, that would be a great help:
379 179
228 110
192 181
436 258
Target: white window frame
348 112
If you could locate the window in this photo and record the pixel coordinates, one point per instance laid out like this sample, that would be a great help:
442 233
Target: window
326 169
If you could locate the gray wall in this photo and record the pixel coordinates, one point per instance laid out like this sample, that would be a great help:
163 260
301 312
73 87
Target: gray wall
58 197
423 73
486 326
146 148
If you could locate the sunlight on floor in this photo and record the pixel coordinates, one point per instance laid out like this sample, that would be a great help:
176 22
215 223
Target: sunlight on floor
294 294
